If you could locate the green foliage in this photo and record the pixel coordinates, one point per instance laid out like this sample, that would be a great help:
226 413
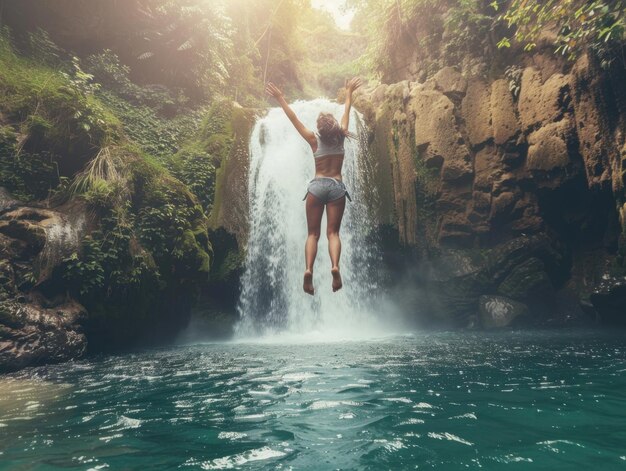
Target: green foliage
27 176
195 167
514 74
197 162
148 232
156 135
108 265
199 48
163 228
331 54
267 47
80 80
578 24
170 224
466 24
40 47
55 112
188 42
115 77
434 32
104 180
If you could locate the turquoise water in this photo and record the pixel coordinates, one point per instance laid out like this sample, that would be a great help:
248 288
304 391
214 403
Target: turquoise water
444 401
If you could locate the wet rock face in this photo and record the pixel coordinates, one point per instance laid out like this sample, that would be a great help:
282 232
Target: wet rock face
497 159
486 167
33 333
33 328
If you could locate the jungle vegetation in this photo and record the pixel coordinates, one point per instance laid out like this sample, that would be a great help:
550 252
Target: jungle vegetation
127 105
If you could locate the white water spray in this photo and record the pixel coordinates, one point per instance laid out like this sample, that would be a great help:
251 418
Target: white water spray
272 300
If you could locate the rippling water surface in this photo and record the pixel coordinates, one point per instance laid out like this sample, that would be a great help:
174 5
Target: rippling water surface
430 401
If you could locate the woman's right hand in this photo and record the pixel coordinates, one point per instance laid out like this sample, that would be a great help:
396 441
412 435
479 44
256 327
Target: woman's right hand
353 84
273 90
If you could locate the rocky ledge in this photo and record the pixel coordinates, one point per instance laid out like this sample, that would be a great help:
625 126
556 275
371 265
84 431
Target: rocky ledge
37 328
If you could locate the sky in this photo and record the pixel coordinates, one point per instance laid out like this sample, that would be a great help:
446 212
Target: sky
335 8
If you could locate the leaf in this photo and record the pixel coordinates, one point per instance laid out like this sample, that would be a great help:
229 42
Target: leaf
504 42
185 46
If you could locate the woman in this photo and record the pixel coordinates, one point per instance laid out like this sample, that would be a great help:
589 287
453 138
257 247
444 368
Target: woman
326 190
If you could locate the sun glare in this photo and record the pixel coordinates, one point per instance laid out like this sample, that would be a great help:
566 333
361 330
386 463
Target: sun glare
342 15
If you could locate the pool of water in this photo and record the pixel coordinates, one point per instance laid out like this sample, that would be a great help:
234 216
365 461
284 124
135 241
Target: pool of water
445 401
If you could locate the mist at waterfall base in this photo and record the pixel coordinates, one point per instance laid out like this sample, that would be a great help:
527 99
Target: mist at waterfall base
273 305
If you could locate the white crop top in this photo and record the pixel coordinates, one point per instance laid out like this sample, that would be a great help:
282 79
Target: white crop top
324 149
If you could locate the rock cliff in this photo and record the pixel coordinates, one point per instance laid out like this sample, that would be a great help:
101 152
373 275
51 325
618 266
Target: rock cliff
479 162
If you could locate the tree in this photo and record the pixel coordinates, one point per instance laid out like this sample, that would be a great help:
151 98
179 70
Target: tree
578 24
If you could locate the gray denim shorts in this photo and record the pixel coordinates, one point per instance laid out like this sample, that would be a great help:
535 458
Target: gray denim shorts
327 189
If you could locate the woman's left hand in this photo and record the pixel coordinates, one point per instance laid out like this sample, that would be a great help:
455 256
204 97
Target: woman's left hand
273 90
353 84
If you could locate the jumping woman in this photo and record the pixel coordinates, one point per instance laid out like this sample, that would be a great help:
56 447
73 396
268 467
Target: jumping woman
327 189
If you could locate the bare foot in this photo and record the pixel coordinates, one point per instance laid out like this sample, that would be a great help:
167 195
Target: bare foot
337 283
308 282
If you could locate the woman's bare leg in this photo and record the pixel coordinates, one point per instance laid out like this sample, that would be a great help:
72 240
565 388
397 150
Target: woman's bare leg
314 212
334 215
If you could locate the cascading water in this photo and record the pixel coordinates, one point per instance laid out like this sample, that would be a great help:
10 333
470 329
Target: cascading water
272 300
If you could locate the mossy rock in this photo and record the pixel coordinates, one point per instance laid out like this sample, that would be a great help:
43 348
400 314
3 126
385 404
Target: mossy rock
232 174
228 258
195 259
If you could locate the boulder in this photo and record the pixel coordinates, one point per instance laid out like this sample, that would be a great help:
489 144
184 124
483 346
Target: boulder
454 294
476 112
402 156
43 235
33 332
502 259
502 205
504 120
609 300
592 123
398 91
436 133
548 146
451 263
541 103
497 312
487 169
481 202
450 82
377 97
455 230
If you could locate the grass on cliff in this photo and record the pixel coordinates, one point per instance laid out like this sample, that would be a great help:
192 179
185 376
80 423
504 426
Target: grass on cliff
51 124
149 236
37 96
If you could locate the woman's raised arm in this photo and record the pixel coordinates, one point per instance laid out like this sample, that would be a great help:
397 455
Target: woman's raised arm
307 134
351 86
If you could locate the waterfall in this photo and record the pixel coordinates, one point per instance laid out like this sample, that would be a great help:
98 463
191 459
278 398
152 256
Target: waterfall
272 300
